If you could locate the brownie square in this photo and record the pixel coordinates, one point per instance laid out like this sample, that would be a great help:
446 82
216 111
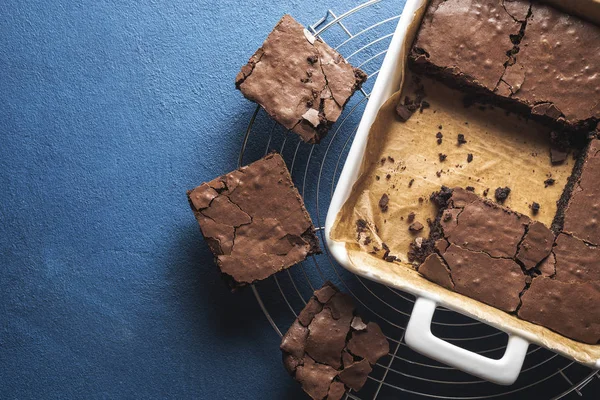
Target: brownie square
254 221
484 251
525 55
329 349
300 81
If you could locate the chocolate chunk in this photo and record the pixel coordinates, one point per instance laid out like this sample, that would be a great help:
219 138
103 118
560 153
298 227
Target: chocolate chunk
416 227
254 221
329 349
300 81
403 112
469 157
461 139
442 157
383 202
565 307
549 182
536 245
501 194
470 189
411 217
535 207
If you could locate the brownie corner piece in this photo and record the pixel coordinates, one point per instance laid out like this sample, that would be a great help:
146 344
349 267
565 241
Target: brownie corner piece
254 221
299 80
329 348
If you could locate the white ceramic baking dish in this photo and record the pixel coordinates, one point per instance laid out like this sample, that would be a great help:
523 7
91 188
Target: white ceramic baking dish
418 333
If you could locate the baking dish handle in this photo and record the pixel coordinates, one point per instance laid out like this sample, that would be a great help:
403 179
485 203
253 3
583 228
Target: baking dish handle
418 336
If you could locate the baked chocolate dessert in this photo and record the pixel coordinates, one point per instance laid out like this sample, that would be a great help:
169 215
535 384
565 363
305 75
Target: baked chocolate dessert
329 349
504 259
254 221
299 80
483 250
525 54
582 214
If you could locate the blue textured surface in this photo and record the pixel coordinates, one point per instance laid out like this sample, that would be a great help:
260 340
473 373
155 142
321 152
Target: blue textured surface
109 111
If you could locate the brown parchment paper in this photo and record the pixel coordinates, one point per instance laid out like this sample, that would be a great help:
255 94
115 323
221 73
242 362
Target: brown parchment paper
508 150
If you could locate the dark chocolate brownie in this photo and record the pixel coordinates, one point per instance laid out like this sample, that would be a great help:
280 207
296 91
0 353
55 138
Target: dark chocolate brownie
558 53
483 250
567 308
329 349
468 40
582 215
254 221
299 80
522 54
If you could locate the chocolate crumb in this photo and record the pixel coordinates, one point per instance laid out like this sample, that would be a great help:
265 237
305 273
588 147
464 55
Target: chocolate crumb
411 217
390 159
485 192
377 177
411 183
382 161
461 139
440 127
439 135
442 157
438 173
549 182
390 258
501 194
388 177
424 105
383 202
421 199
403 112
535 207
416 227
470 189
469 157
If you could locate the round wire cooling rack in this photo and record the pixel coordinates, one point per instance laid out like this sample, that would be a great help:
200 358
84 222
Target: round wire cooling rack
362 35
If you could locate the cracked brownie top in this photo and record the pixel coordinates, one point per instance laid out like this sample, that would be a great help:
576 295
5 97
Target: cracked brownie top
254 220
300 81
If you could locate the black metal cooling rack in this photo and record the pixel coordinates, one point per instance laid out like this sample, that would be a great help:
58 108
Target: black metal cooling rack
363 35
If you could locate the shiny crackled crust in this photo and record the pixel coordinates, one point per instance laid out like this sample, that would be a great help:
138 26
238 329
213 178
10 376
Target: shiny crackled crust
504 259
329 349
254 221
300 81
523 55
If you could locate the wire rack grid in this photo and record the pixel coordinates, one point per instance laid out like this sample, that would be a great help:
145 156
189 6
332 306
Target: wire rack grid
362 35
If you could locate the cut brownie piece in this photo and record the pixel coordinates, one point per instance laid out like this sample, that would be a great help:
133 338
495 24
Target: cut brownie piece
328 348
254 221
522 54
468 41
300 81
576 261
483 250
582 215
557 53
567 308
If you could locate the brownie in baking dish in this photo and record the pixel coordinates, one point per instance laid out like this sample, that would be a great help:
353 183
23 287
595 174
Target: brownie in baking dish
483 250
329 348
299 80
526 55
254 221
502 258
